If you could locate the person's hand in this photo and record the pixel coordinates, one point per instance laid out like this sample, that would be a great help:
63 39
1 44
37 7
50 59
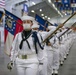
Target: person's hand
10 65
47 29
61 25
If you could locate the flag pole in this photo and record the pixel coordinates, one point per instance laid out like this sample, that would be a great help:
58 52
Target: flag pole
67 30
60 26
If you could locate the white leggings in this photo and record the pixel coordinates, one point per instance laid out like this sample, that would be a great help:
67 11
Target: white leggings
27 70
56 59
49 62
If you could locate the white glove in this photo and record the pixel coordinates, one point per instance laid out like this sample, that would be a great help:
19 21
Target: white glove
10 65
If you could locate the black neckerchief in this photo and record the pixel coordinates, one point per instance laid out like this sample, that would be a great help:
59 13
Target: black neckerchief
36 40
25 36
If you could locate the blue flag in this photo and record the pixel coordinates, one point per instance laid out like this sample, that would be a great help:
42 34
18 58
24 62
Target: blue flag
43 23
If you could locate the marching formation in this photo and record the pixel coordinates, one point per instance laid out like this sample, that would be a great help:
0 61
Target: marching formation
32 56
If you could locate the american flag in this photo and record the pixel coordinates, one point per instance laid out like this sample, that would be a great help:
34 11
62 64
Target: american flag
2 3
12 27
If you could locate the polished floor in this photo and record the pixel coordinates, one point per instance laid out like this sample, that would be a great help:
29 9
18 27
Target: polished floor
4 59
69 67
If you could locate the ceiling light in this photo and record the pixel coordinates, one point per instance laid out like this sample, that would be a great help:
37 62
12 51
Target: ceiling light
49 1
58 12
45 16
42 14
32 11
48 18
56 9
40 9
33 3
53 5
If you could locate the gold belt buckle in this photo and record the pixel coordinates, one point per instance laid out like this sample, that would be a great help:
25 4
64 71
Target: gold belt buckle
24 56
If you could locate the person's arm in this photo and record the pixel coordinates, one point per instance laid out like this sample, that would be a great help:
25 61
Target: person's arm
48 33
14 49
13 53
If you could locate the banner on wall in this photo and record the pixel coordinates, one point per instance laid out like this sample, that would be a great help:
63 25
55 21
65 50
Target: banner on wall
73 3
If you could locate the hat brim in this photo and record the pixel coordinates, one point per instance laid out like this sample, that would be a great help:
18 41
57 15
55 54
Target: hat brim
27 18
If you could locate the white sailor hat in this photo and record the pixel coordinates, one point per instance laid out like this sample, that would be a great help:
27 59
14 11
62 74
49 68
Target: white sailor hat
35 25
51 27
26 17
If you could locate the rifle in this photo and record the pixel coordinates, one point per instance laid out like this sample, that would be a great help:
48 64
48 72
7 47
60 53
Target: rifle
69 32
64 32
60 26
72 27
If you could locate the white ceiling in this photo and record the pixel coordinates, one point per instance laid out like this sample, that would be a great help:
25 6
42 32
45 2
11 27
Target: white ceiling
47 8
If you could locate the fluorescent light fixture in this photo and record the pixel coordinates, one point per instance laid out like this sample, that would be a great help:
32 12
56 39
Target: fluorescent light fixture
55 8
49 1
48 18
45 16
58 12
40 9
33 3
42 14
53 5
32 11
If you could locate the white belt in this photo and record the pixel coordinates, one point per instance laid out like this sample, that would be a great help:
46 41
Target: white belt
27 56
